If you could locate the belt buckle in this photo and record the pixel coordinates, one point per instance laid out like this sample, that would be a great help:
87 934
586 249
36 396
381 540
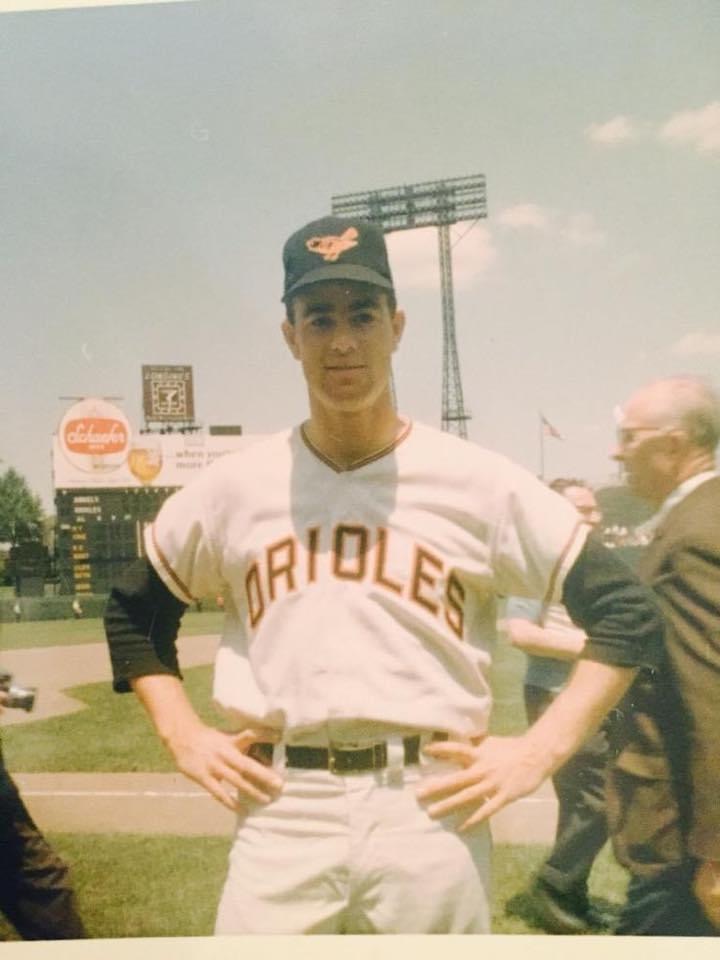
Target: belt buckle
377 759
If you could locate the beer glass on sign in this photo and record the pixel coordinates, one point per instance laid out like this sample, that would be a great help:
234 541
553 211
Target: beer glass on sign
145 458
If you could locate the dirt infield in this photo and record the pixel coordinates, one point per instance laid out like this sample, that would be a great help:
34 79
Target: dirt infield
54 669
169 803
158 802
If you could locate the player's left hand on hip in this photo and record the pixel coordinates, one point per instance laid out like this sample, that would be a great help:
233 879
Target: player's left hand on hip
493 773
706 887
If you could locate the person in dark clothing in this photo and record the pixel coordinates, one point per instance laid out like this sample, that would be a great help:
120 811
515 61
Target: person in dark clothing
35 892
552 642
664 788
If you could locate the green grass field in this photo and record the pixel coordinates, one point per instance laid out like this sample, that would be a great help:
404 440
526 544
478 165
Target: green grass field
113 735
50 633
129 885
139 886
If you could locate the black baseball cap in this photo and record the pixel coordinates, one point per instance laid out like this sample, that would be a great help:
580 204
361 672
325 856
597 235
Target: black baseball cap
336 248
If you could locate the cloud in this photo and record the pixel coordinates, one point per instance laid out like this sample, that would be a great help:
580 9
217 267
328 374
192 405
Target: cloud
697 343
697 128
415 259
525 215
618 130
578 229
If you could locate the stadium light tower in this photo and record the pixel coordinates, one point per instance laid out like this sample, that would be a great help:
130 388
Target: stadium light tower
437 203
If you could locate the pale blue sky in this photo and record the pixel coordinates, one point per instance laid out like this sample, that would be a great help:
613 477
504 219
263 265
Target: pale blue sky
154 159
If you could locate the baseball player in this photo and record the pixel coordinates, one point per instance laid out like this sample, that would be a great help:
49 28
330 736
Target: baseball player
360 555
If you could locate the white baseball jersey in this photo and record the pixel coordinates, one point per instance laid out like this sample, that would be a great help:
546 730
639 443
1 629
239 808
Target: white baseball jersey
365 594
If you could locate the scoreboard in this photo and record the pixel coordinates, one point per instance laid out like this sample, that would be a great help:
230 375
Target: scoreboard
110 482
99 532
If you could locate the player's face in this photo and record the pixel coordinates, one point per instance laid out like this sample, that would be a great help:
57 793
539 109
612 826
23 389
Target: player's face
344 335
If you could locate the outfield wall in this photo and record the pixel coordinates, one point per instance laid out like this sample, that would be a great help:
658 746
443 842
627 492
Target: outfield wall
60 607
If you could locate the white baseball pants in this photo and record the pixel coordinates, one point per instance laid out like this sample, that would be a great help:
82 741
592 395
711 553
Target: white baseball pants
354 854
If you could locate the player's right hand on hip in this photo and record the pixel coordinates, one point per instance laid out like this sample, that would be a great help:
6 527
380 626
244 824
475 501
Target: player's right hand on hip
219 762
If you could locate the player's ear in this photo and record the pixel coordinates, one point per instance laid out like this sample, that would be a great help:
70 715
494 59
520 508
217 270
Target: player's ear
398 325
289 332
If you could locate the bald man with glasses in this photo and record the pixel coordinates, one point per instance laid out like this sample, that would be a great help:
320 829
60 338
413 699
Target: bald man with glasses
664 790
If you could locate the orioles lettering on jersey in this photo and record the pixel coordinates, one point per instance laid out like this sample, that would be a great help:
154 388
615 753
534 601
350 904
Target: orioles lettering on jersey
359 554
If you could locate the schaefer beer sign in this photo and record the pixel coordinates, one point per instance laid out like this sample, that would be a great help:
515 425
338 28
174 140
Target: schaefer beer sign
95 448
94 436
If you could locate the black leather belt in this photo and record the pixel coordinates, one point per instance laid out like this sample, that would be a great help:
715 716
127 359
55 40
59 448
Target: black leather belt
341 759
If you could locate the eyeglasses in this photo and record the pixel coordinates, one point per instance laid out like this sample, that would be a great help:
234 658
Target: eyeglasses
626 435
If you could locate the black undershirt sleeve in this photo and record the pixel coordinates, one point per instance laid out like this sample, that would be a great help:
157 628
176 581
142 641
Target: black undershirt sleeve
619 613
142 618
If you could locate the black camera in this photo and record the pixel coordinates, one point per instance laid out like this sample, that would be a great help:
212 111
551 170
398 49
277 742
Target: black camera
19 697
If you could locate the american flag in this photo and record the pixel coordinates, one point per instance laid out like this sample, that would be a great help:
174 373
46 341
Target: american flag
548 429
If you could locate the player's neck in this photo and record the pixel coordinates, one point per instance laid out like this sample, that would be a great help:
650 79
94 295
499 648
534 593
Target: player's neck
349 438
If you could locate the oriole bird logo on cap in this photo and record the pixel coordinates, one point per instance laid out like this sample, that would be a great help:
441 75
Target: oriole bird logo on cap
330 248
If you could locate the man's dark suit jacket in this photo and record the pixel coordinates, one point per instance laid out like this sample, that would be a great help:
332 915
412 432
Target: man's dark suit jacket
664 792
